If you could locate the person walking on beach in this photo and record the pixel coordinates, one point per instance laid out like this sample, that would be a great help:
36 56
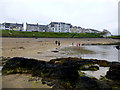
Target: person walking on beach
58 43
73 44
77 44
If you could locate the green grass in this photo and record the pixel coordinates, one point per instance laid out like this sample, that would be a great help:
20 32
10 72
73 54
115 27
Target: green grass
87 35
10 33
115 36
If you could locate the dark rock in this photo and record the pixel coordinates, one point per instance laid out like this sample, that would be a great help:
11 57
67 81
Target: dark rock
65 70
114 75
56 68
91 68
86 83
117 47
114 71
80 61
102 63
55 51
115 66
21 48
39 68
19 65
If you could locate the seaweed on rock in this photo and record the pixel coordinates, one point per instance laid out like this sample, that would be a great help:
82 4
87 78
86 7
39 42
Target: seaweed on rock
63 73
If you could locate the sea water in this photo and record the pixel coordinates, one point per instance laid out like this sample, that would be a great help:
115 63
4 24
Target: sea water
101 52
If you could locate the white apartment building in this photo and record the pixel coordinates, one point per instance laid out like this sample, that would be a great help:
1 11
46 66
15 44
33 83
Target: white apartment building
11 26
35 27
59 27
2 26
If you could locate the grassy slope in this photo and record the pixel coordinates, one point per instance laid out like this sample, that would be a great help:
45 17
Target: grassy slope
8 33
115 36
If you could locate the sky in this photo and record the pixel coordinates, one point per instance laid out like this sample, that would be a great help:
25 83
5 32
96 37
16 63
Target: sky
95 14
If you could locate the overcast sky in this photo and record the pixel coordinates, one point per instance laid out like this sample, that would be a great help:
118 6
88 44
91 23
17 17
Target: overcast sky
95 14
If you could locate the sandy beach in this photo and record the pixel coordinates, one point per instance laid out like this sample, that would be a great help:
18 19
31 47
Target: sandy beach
40 48
37 48
22 81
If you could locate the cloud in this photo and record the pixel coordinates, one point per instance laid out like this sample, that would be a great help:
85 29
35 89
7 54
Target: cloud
98 14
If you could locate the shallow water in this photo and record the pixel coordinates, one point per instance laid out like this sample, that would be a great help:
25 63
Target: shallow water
101 52
97 74
73 50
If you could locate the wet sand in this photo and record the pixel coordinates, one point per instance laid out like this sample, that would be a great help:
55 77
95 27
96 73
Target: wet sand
22 81
40 48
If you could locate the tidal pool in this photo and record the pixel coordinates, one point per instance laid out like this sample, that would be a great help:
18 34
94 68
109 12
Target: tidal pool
101 52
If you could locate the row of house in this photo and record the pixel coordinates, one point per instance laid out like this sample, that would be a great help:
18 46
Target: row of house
24 27
11 26
35 27
76 29
52 27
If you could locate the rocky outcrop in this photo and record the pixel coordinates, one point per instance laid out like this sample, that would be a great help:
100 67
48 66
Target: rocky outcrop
39 68
87 83
78 62
114 71
53 68
63 73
